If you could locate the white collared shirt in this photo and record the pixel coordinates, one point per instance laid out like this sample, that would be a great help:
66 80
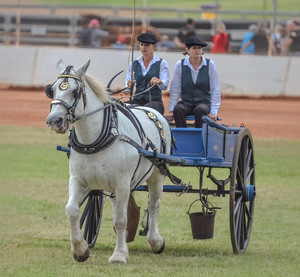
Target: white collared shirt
163 73
175 89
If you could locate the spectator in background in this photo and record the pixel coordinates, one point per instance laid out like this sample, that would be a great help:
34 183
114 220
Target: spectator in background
184 33
250 50
221 43
196 82
164 44
276 39
120 43
91 36
292 42
260 40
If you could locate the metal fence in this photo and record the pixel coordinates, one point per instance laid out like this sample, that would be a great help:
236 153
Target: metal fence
60 25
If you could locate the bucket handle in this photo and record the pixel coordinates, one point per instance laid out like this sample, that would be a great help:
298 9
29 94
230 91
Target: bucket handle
205 207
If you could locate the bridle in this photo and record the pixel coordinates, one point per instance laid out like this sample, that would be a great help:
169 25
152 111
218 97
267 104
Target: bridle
64 85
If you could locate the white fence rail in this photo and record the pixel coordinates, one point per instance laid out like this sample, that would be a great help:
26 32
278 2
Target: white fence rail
240 75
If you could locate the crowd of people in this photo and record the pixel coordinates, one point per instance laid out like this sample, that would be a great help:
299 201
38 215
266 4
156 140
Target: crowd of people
195 87
259 40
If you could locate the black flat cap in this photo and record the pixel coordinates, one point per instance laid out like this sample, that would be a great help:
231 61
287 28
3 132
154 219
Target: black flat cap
195 41
147 38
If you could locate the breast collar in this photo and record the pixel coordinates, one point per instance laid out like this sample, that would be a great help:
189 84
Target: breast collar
106 138
109 131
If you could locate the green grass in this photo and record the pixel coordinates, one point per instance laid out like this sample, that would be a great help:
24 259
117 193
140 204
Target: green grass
34 232
283 5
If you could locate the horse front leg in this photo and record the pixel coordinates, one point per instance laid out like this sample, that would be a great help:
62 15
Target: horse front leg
79 246
120 204
155 240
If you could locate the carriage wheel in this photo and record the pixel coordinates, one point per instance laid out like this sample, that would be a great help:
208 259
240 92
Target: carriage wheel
242 191
90 220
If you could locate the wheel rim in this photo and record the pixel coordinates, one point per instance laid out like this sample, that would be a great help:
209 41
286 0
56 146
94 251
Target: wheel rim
242 192
90 220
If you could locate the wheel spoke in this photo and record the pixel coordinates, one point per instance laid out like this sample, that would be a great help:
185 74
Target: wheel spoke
238 204
91 221
249 156
239 179
238 223
247 212
239 192
85 212
237 214
248 176
243 229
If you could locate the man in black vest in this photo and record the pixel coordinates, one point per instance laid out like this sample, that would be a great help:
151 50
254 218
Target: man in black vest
196 82
292 43
148 70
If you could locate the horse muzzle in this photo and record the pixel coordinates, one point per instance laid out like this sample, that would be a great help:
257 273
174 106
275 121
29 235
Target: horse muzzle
58 124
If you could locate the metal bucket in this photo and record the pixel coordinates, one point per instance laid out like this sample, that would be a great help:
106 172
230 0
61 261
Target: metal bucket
202 224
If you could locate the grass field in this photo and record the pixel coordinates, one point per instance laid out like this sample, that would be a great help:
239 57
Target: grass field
282 5
34 232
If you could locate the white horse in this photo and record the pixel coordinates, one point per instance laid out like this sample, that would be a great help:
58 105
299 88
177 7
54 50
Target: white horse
104 154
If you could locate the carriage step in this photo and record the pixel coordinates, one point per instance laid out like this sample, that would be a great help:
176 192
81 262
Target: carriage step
63 149
182 160
166 188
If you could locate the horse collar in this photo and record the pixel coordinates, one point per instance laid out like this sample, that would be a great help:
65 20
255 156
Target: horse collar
106 138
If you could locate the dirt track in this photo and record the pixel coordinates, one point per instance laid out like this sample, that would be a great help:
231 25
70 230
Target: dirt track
266 118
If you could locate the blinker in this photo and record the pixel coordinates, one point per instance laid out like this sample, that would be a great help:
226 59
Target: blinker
49 91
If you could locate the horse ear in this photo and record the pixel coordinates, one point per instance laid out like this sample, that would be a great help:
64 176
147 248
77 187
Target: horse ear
82 69
60 65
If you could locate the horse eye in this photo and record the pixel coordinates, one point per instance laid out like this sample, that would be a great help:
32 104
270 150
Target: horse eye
49 91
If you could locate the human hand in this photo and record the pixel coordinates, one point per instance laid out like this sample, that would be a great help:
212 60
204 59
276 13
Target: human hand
169 116
129 83
213 116
155 81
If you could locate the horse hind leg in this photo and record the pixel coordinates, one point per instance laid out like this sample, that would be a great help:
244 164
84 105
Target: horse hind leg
155 240
79 246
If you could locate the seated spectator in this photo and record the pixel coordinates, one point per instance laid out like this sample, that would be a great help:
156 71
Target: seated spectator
164 44
221 42
91 36
184 33
120 43
196 82
250 50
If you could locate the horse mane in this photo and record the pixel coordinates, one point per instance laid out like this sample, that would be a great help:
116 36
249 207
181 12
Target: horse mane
98 89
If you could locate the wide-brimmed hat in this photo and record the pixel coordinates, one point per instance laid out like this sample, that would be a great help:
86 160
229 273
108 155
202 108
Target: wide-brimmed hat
147 38
195 41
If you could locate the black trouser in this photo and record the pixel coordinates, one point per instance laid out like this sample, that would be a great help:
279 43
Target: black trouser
156 105
181 110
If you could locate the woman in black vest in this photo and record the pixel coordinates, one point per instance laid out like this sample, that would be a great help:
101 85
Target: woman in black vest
196 82
148 70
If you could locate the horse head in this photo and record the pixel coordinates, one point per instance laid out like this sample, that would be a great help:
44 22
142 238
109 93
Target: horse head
66 93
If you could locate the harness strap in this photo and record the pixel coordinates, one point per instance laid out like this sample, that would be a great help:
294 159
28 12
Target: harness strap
105 139
131 116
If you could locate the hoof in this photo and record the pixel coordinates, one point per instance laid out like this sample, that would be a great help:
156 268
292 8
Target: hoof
82 258
118 259
161 249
